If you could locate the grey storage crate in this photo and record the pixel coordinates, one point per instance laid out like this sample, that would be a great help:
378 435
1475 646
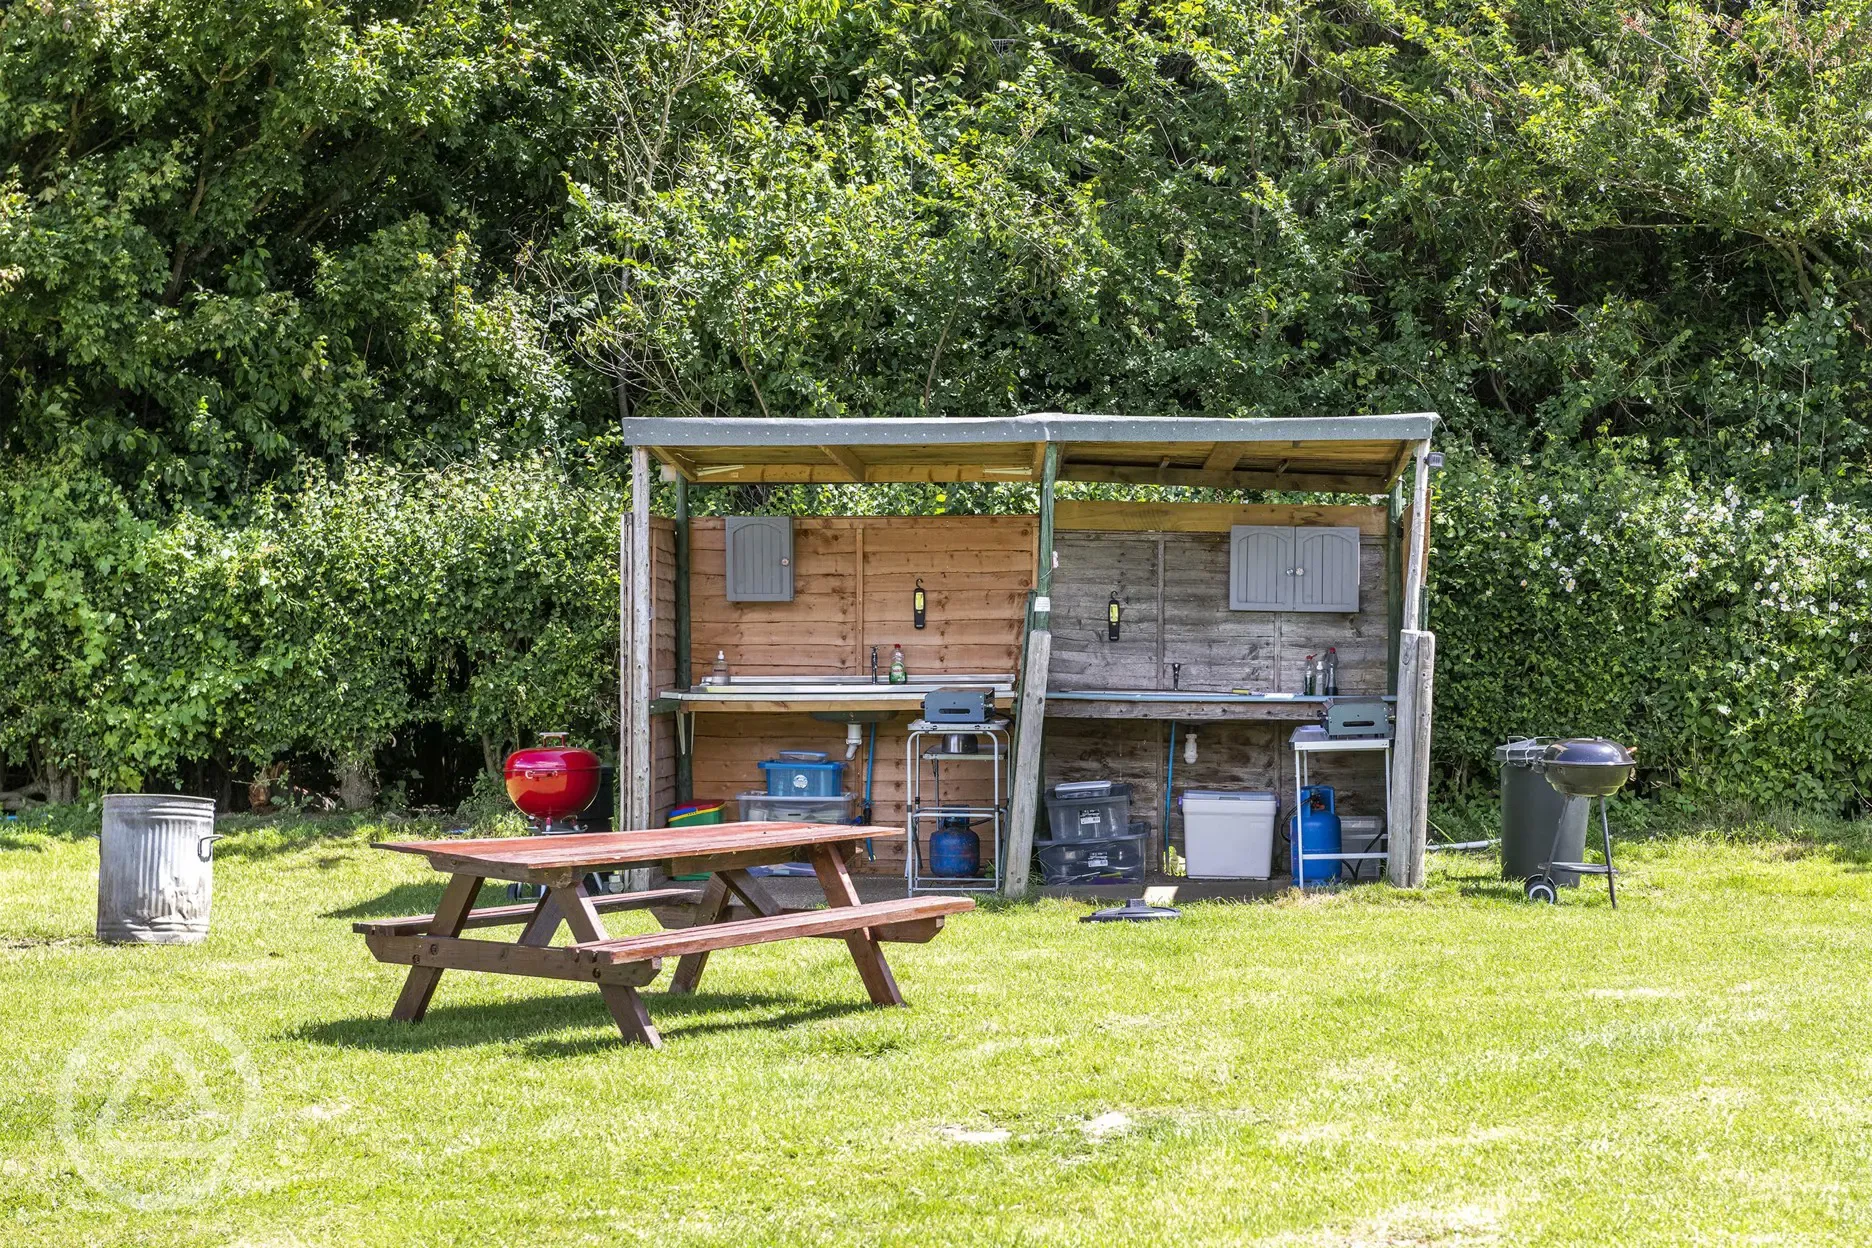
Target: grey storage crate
1088 810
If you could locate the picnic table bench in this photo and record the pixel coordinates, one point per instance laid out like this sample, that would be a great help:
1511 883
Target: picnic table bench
732 910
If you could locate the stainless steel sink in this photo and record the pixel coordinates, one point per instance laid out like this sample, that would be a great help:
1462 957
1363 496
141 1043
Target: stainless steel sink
845 686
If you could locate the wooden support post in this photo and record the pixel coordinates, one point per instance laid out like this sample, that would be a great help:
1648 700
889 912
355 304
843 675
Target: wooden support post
642 604
685 752
1410 763
1030 714
1394 582
1419 542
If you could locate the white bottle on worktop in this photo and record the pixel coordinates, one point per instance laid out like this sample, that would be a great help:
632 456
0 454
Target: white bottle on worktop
899 674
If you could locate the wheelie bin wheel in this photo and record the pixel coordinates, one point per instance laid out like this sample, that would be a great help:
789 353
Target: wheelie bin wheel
1541 888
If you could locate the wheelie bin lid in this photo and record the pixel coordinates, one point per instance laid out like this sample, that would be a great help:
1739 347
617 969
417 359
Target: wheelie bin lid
1522 751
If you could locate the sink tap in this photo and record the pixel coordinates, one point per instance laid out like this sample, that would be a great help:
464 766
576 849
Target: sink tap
874 665
1176 675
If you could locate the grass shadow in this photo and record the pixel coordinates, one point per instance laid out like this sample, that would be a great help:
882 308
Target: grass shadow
256 838
402 899
464 1026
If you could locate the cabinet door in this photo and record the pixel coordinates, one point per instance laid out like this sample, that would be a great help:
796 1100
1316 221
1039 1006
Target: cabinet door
1325 570
760 558
1260 567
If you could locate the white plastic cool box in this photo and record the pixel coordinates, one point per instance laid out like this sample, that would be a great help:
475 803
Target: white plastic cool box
1229 835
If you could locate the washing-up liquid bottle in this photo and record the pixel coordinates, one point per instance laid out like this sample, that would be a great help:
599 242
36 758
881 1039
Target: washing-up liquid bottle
720 674
898 673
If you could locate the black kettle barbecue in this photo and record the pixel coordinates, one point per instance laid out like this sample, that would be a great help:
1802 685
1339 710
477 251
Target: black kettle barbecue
1580 769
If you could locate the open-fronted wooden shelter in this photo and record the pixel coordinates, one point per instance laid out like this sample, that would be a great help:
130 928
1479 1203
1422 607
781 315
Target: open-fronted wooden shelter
1024 605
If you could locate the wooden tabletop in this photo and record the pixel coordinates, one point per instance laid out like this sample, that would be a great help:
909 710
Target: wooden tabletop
544 859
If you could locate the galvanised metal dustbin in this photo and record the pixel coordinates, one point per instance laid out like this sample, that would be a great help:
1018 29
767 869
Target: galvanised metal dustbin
155 868
1530 811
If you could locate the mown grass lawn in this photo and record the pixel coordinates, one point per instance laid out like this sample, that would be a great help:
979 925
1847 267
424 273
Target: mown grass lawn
1372 1067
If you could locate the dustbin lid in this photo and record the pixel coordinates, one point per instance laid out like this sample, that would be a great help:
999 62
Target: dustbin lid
1133 911
1522 751
1084 790
1229 795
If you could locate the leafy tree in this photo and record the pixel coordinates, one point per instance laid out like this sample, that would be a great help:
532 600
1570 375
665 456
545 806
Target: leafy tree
240 237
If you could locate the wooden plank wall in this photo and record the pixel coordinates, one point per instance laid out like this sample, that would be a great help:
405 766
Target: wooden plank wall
1169 566
729 749
1230 754
662 664
853 580
852 583
1172 584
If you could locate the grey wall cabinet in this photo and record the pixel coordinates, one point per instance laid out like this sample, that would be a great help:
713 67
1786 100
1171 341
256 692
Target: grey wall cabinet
760 558
1281 568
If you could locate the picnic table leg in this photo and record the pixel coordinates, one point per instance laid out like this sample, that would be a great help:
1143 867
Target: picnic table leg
723 888
627 1008
457 900
544 925
713 906
829 865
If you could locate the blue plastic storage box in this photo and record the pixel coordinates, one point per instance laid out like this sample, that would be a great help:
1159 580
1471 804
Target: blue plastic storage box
792 779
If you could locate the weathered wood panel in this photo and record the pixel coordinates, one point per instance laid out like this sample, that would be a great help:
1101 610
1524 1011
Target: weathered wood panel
1093 566
1360 638
1129 753
1191 625
1218 649
1113 517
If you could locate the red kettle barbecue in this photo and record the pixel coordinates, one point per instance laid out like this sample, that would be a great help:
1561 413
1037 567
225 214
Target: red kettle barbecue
551 782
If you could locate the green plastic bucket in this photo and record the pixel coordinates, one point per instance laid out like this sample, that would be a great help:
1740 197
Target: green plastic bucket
695 815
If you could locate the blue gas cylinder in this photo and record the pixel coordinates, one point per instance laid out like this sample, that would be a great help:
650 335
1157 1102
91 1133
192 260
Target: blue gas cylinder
1318 833
955 851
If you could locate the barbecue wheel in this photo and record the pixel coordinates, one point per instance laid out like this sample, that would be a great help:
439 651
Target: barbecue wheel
1541 888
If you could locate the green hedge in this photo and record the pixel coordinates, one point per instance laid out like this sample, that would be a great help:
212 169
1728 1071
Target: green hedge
1726 637
482 598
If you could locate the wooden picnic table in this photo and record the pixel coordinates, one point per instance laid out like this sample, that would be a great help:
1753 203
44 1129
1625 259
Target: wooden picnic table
731 910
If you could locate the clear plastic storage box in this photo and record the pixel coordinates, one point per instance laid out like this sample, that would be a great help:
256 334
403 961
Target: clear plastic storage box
766 808
1088 810
1108 860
